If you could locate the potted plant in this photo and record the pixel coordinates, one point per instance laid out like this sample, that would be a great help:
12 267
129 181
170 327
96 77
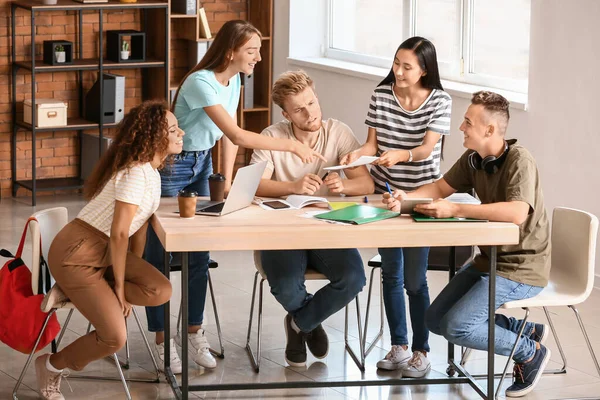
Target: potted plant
59 53
125 50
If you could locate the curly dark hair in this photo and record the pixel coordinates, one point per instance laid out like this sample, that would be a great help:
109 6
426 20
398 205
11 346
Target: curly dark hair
141 134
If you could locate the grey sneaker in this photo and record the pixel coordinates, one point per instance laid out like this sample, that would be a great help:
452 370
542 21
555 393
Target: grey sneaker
48 382
397 358
55 298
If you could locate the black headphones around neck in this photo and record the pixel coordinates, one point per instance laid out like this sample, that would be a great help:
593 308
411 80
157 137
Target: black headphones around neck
489 164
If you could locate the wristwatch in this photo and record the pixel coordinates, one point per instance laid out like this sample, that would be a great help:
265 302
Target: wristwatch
410 157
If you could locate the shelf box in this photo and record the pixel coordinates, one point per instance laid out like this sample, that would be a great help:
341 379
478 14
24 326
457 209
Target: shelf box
49 50
49 112
137 45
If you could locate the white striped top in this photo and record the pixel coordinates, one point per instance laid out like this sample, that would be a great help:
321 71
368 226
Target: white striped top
400 129
139 185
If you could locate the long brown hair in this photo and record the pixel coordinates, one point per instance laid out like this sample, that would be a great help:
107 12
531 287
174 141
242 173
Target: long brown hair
232 35
141 134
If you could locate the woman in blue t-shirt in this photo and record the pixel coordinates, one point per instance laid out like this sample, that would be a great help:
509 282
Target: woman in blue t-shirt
205 106
408 115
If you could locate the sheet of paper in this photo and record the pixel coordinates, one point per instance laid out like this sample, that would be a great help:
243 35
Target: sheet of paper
363 160
462 198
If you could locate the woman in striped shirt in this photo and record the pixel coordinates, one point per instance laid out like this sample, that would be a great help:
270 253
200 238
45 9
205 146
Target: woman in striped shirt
408 115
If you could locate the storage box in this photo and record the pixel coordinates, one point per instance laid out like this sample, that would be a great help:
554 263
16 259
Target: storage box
49 112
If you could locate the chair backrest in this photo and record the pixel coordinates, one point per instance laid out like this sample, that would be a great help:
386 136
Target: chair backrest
574 234
49 223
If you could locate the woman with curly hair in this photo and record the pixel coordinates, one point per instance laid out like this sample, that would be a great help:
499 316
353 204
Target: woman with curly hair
96 258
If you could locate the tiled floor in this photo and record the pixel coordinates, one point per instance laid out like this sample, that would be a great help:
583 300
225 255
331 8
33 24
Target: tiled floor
233 285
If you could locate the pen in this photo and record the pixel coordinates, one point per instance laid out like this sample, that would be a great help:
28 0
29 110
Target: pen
325 176
389 189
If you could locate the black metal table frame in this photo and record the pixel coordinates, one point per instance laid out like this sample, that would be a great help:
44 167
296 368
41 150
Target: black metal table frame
182 391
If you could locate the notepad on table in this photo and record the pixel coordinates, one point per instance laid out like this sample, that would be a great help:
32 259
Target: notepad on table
358 214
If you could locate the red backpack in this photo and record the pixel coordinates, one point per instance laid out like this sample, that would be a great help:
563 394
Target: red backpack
21 317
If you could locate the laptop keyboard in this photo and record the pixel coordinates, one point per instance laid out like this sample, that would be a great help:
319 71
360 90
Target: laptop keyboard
217 208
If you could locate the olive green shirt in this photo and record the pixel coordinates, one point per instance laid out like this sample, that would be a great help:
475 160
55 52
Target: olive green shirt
517 179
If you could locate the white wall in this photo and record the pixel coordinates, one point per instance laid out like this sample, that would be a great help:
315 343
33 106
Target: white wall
560 126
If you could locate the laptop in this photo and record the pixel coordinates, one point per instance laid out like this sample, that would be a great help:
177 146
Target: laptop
241 194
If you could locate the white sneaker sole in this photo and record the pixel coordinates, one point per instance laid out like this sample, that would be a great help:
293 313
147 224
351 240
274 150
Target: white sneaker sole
409 373
545 335
528 390
393 366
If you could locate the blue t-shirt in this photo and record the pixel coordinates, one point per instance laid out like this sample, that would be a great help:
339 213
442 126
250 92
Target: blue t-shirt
201 89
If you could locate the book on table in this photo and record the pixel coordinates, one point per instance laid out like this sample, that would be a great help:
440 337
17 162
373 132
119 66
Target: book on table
298 201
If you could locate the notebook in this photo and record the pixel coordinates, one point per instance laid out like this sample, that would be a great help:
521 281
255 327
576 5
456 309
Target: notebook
425 218
298 201
358 214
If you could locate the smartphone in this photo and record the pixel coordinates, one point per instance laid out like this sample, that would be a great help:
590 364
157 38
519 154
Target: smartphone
407 206
276 204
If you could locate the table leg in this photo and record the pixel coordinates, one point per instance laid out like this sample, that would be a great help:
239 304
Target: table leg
491 323
184 324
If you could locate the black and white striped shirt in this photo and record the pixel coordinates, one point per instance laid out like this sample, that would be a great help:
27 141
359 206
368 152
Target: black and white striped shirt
398 129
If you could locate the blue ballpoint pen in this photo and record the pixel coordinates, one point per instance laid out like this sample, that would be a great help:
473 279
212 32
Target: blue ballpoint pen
389 189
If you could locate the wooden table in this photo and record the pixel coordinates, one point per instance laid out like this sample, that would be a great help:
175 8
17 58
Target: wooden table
256 229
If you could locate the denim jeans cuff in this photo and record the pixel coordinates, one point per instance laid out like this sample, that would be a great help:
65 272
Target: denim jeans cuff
156 328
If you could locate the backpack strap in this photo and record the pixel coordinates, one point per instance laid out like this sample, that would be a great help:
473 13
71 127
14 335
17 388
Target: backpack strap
23 236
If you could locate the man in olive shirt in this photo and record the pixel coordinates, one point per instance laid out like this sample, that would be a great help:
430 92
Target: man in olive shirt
506 179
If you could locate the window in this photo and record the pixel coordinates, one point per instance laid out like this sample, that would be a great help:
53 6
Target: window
481 42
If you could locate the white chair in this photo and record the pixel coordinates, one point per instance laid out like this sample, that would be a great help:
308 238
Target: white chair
571 281
49 223
309 275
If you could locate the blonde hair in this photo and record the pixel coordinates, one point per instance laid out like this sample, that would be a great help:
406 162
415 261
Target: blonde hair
289 84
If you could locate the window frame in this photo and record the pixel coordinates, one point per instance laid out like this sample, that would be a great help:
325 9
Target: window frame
461 69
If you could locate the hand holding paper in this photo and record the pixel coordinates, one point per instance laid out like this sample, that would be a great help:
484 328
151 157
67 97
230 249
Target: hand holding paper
362 160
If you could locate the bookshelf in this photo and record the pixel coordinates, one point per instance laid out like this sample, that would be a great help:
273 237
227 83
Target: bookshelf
155 60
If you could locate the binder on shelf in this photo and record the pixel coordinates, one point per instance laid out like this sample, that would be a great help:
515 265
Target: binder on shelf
204 28
187 7
113 109
248 82
196 50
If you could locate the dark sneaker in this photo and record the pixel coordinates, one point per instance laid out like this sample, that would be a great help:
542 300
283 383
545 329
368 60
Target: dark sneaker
540 333
527 375
317 342
295 349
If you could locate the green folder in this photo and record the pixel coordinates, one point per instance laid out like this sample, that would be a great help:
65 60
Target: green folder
358 214
425 218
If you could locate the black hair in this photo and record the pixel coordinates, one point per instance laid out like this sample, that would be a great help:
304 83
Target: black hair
425 52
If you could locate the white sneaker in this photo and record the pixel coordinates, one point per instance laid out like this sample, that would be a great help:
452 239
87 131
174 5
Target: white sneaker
48 382
397 358
175 360
55 298
418 366
199 343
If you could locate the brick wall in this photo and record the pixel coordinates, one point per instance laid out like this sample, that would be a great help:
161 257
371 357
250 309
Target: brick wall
57 152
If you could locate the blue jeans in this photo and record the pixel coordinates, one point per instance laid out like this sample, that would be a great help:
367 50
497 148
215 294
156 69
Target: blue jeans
406 268
190 170
285 271
460 313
